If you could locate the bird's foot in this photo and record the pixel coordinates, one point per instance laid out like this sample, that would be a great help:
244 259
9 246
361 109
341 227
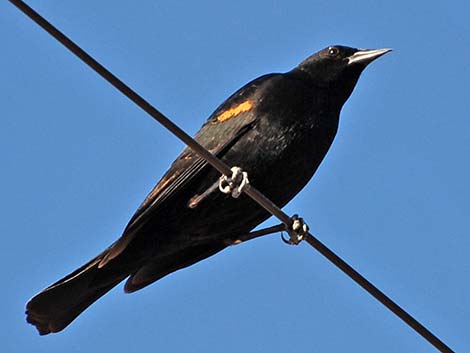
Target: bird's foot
235 184
297 231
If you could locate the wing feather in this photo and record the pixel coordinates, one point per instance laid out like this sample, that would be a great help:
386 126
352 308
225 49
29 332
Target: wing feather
217 135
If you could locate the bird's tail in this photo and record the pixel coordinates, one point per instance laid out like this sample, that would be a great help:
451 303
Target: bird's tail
58 305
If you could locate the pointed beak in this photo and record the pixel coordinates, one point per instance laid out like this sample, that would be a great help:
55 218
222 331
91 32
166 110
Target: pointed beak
366 56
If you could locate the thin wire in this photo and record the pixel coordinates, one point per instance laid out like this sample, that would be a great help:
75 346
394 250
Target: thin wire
225 169
152 111
379 295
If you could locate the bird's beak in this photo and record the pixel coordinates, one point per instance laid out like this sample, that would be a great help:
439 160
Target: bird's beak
366 56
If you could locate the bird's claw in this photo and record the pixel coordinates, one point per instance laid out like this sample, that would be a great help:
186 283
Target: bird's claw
297 231
235 184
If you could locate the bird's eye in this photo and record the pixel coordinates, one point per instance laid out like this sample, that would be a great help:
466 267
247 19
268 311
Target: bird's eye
333 51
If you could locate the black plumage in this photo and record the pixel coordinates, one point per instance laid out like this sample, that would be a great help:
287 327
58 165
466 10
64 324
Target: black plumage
278 128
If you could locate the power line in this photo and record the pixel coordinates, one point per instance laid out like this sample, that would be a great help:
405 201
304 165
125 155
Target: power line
225 170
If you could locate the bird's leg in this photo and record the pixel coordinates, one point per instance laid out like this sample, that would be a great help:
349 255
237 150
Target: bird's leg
197 199
257 233
297 231
233 185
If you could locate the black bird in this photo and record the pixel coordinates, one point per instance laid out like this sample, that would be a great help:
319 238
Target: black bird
277 128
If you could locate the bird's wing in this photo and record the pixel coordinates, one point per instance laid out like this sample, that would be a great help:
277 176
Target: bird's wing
224 127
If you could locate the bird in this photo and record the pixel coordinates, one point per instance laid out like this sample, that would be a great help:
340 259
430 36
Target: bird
277 128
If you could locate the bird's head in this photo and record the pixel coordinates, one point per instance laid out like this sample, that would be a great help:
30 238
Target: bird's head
338 67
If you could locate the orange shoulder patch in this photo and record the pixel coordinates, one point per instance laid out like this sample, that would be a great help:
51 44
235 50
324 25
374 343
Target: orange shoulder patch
234 111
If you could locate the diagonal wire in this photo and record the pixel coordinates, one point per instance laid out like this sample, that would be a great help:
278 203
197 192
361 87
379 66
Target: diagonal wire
225 169
147 107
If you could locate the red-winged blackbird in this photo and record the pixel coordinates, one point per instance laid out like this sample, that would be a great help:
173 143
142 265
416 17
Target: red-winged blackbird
278 128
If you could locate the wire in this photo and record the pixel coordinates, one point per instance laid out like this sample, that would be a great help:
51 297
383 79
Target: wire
147 107
378 294
225 169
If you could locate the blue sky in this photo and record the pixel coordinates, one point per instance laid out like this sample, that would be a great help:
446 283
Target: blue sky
391 197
